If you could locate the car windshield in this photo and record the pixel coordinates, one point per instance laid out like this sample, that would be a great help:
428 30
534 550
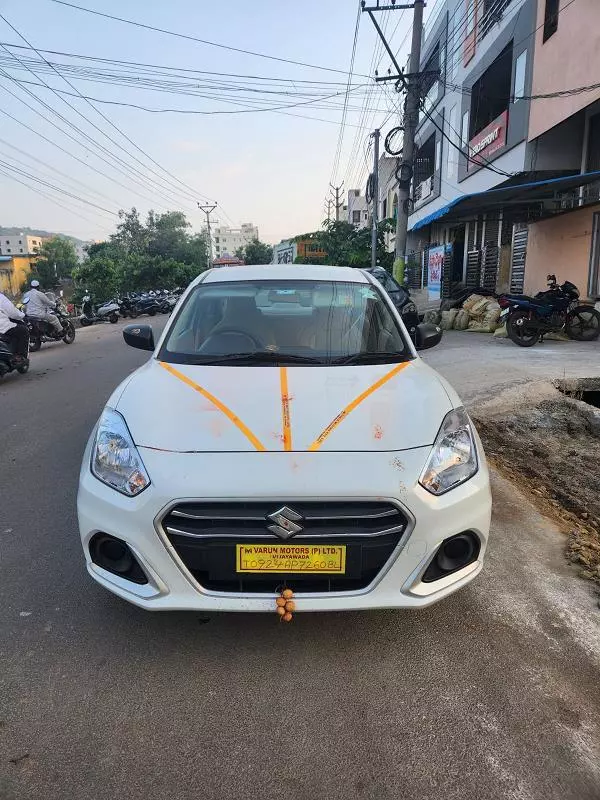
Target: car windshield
285 322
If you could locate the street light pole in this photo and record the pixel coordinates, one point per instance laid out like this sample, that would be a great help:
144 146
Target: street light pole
208 209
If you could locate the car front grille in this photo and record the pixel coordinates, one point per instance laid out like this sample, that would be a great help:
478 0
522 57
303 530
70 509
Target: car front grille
204 536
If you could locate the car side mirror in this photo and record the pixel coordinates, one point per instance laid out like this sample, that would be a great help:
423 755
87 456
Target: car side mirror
427 335
140 336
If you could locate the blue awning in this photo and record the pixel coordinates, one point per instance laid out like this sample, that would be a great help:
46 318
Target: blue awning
515 194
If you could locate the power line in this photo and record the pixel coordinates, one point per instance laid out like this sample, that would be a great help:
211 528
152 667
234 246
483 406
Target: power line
79 113
197 39
336 159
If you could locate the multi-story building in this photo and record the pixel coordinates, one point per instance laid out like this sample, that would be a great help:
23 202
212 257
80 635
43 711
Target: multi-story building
228 240
20 244
490 159
357 209
566 130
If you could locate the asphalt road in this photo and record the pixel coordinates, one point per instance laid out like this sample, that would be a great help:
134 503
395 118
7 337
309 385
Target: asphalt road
492 694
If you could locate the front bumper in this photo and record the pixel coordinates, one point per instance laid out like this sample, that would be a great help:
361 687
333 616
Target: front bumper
282 476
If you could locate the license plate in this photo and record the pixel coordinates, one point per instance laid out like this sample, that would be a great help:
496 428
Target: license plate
291 558
504 313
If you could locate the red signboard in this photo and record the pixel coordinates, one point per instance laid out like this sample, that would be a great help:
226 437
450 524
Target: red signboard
487 141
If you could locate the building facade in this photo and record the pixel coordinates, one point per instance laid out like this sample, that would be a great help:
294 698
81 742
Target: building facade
20 244
228 240
494 160
14 271
567 127
357 209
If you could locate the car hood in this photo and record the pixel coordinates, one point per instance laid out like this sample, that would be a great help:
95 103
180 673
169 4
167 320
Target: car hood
381 407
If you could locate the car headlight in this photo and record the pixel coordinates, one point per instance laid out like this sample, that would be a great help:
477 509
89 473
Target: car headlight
409 308
115 459
453 458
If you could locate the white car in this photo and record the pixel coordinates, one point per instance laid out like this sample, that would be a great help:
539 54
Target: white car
284 434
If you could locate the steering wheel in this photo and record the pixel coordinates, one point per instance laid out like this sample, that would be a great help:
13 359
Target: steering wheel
257 344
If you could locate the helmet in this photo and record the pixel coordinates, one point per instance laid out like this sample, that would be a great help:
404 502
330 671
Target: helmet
35 284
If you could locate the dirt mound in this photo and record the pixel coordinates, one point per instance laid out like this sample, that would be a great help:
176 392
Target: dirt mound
551 443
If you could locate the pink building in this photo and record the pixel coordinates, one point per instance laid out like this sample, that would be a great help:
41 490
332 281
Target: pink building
564 134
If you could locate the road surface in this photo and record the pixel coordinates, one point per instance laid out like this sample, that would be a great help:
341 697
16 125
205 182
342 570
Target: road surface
491 694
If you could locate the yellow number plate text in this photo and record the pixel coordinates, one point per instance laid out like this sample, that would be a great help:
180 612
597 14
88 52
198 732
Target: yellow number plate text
290 558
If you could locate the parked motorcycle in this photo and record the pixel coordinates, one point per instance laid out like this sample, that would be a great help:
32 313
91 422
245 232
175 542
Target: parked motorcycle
40 330
127 307
529 319
108 312
8 361
147 304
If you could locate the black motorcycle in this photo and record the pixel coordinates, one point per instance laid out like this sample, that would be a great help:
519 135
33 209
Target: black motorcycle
127 307
147 304
529 319
40 330
8 360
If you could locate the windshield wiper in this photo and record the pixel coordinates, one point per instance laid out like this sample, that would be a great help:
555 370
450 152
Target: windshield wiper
370 358
259 357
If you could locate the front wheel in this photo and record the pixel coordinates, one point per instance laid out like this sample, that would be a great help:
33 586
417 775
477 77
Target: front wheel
35 342
521 330
69 336
583 324
114 318
85 322
151 312
23 368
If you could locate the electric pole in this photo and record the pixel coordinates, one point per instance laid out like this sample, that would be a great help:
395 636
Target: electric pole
208 209
336 192
411 115
329 203
411 83
375 190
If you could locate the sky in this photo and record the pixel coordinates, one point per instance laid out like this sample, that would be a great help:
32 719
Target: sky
271 168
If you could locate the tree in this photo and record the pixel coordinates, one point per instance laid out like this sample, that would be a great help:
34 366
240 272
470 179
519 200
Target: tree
167 234
99 276
132 236
255 252
348 246
57 259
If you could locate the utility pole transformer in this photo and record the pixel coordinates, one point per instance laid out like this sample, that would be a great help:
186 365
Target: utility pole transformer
411 115
337 191
208 209
375 190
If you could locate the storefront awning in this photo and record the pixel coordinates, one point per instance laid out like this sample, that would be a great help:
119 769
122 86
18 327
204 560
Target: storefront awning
514 195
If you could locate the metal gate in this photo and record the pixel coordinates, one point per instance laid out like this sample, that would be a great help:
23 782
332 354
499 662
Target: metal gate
519 252
473 276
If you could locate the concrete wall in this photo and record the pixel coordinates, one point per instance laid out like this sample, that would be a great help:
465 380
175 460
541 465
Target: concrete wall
561 246
568 59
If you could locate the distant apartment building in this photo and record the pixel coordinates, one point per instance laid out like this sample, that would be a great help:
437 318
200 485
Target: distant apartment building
357 209
228 240
20 244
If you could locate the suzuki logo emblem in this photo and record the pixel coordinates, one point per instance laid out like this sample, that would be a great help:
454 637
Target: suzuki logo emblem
285 522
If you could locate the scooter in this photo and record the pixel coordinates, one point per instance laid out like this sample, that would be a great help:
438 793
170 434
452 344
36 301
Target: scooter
109 312
8 360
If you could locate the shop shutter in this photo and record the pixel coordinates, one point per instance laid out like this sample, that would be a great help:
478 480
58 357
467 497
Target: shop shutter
473 277
519 251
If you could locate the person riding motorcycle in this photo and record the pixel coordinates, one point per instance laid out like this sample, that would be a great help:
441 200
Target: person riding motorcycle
41 306
12 328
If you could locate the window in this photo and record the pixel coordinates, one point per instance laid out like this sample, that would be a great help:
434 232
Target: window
491 93
7 241
384 208
355 217
520 65
216 240
20 242
550 18
452 157
8 250
438 154
273 323
356 192
20 249
464 134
